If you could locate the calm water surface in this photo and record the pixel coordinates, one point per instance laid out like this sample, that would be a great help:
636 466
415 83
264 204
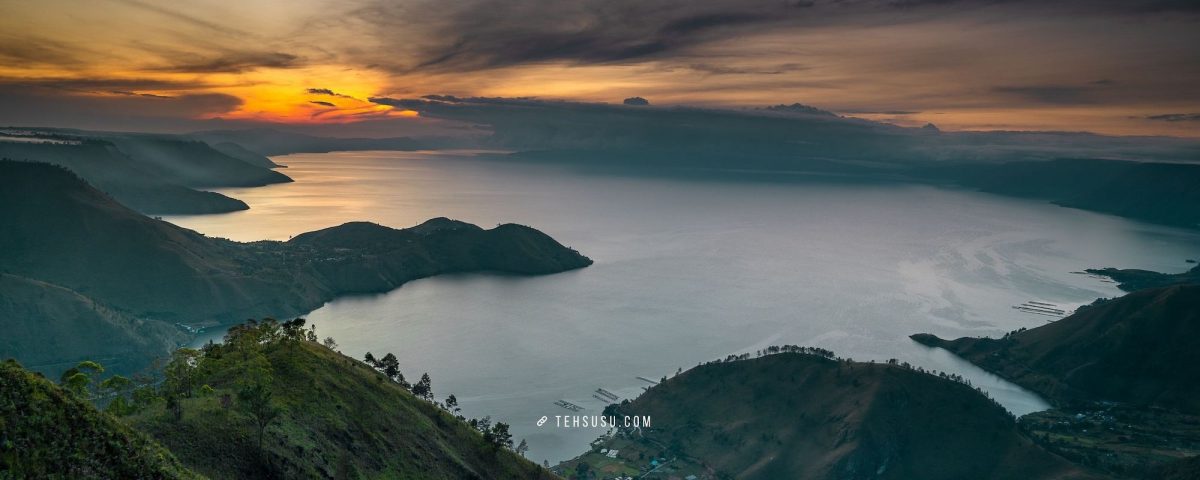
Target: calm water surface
687 270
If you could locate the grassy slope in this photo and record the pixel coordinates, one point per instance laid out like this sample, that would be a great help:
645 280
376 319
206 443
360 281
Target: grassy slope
82 329
806 417
47 433
1140 348
341 420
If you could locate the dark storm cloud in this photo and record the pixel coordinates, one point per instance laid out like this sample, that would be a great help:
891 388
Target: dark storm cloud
33 105
323 104
20 51
697 23
177 15
136 94
326 91
235 62
1176 117
481 34
120 86
487 33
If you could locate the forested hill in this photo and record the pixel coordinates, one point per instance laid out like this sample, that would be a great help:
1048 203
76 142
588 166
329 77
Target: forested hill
1141 348
270 402
48 432
812 416
74 250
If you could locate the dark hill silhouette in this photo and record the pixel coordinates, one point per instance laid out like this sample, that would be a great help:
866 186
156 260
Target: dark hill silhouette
142 188
1130 279
267 141
242 153
61 231
1141 349
1167 193
802 416
194 163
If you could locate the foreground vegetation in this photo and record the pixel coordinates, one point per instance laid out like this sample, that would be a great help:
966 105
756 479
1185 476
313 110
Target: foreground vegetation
272 402
72 259
802 413
49 432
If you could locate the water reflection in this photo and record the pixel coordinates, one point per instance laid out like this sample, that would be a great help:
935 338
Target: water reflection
687 271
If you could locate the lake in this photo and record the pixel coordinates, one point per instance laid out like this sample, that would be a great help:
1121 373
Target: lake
688 269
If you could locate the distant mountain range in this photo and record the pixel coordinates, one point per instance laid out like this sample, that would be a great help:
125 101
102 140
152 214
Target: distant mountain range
153 174
271 142
1167 193
120 280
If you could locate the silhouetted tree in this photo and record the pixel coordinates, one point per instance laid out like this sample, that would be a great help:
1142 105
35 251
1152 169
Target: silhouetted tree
423 388
498 435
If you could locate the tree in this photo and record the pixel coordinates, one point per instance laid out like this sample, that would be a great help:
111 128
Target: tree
452 404
118 386
522 448
294 329
78 379
181 378
498 435
483 424
423 388
390 366
256 401
330 343
369 359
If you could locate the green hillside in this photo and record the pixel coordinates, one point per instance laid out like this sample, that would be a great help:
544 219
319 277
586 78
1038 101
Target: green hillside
46 432
806 416
1122 373
336 417
1140 348
120 271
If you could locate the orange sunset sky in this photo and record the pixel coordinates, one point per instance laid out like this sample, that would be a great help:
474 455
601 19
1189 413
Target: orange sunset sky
1129 68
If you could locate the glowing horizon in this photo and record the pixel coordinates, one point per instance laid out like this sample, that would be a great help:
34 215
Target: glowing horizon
1099 68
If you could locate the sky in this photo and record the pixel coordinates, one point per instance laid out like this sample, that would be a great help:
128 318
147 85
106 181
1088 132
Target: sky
1124 68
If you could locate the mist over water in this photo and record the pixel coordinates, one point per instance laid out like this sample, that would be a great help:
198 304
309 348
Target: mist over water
687 270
